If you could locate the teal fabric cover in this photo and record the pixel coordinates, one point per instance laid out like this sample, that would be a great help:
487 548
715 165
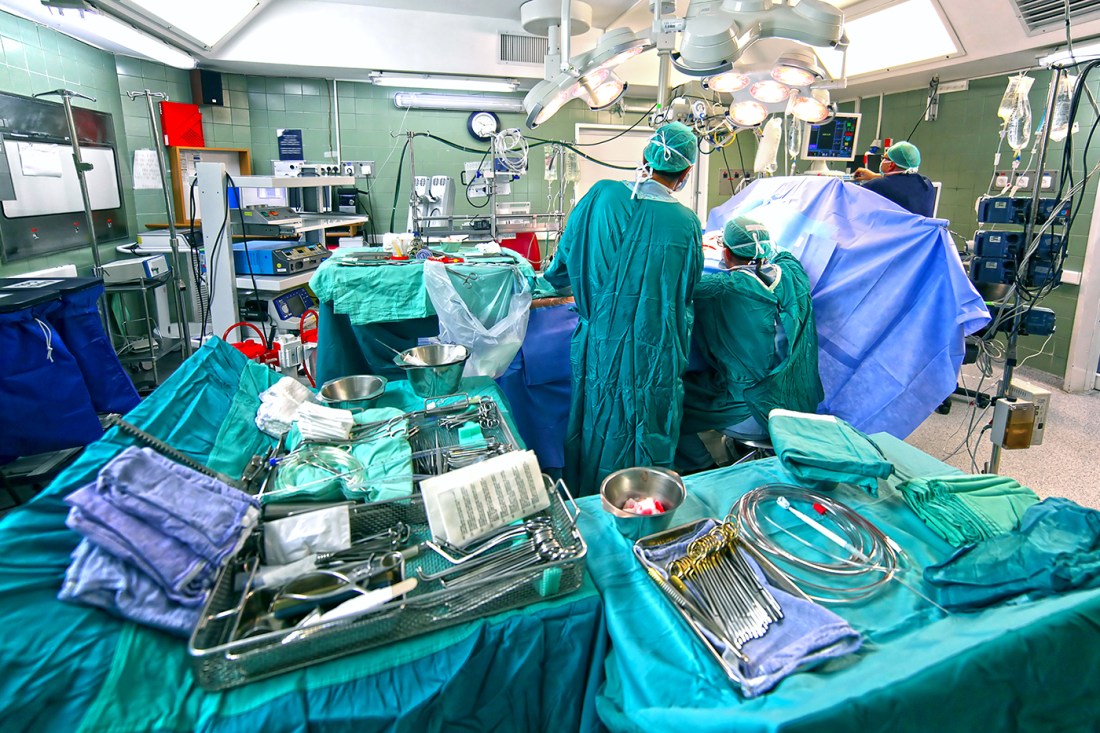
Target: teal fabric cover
822 450
1018 668
386 293
71 668
633 264
1055 550
736 319
966 509
238 438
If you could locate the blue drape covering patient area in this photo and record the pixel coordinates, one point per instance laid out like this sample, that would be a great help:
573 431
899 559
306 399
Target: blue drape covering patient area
891 298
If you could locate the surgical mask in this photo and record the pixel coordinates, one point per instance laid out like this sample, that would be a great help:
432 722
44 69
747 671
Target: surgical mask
642 174
680 186
881 165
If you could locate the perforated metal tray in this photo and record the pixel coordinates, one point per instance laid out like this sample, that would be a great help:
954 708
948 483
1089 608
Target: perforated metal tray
220 662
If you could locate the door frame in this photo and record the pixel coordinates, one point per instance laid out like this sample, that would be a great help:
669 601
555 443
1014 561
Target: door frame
701 177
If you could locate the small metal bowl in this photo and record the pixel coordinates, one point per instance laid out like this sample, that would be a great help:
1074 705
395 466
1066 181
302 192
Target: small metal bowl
434 370
642 482
356 392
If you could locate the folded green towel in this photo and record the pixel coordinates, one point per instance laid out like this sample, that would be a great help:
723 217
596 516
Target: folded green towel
823 450
965 509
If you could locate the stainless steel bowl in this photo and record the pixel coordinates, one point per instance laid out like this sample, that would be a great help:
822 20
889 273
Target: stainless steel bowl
356 392
434 370
642 482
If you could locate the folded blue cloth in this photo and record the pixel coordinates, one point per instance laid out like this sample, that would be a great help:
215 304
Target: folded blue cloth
184 575
807 635
97 578
1055 550
211 518
174 524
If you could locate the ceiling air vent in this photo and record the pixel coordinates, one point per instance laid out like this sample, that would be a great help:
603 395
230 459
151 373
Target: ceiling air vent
1044 15
516 49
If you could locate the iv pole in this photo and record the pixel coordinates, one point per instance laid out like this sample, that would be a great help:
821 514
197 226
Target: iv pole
1029 232
177 296
81 168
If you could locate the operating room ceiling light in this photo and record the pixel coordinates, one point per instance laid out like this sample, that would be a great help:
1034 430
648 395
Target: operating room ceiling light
747 113
727 83
101 31
205 21
876 43
770 91
808 109
589 77
717 33
433 81
601 89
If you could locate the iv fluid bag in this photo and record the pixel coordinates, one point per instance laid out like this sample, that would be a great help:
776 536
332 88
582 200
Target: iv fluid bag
794 137
1059 121
768 148
1018 86
1018 133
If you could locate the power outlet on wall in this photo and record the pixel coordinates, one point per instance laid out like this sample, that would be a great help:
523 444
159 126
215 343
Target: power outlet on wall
730 179
358 168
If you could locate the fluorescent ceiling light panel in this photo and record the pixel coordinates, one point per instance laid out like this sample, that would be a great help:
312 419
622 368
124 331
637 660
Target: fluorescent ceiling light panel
454 83
101 31
206 21
902 34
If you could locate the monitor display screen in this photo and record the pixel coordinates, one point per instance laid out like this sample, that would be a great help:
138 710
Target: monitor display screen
832 140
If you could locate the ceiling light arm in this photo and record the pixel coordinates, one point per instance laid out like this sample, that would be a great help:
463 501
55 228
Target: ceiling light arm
566 32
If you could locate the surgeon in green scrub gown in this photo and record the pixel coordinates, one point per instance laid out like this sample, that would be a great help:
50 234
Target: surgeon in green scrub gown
754 326
633 256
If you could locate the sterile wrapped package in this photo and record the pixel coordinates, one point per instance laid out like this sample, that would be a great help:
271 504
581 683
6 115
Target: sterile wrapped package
291 539
469 503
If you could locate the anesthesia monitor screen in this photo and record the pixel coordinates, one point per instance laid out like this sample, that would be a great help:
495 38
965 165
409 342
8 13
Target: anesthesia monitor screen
833 140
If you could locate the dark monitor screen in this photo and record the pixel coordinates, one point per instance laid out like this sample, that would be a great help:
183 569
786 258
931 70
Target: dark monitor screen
832 140
296 305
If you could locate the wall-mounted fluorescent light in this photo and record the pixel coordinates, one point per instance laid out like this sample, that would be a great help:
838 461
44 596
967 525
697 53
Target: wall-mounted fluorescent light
906 33
459 102
433 81
101 31
205 21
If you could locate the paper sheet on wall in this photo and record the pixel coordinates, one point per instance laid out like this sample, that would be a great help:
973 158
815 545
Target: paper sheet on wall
469 503
146 170
39 160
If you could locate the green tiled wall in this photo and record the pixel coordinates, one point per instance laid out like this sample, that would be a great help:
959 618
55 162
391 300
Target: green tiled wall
957 148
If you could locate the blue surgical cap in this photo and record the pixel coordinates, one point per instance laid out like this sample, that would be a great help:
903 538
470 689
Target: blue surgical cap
747 238
672 148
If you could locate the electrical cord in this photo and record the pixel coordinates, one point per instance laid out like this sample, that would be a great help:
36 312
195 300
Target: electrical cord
933 88
196 267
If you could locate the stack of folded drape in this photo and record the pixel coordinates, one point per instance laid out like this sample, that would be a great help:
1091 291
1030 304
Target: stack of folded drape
822 451
968 508
1055 550
155 535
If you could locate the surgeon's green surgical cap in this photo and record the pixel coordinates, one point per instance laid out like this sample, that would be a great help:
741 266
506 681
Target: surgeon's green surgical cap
672 148
747 238
905 155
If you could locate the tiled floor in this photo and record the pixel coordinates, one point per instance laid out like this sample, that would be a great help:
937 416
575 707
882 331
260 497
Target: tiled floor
1066 464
